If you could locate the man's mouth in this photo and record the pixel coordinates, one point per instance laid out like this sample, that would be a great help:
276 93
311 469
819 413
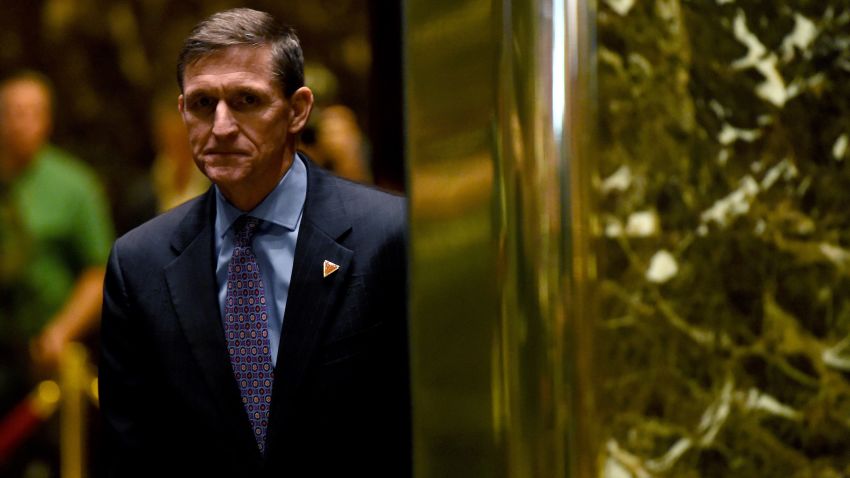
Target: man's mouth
225 152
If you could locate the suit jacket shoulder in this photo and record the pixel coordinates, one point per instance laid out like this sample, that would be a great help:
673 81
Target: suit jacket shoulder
158 234
335 204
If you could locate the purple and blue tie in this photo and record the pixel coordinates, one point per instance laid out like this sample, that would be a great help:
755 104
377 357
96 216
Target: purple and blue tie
246 329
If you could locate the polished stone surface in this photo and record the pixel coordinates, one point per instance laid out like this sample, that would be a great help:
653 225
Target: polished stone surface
724 198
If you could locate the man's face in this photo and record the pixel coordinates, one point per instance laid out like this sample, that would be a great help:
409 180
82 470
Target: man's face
24 120
237 119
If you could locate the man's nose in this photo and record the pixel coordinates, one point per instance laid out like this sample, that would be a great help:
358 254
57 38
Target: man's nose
223 124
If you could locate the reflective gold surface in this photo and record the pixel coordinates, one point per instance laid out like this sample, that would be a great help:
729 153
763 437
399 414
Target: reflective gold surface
497 139
450 54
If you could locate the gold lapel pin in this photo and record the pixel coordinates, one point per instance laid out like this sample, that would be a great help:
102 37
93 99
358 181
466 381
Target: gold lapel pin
329 268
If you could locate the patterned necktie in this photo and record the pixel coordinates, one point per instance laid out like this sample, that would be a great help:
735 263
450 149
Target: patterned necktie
246 329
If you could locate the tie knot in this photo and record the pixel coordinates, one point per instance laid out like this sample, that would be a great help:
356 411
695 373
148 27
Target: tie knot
244 230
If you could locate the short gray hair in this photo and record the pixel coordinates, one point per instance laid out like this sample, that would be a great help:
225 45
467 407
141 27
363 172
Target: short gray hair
244 26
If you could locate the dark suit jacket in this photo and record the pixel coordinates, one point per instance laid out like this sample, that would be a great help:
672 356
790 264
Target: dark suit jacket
340 400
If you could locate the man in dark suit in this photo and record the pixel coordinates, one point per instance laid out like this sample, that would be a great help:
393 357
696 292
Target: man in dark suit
257 330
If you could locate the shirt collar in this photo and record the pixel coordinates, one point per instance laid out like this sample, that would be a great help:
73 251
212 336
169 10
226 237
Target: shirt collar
282 206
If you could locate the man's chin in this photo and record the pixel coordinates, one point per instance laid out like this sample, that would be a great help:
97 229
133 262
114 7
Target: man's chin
223 176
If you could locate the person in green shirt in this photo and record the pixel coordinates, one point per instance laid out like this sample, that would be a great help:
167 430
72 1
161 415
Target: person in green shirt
55 236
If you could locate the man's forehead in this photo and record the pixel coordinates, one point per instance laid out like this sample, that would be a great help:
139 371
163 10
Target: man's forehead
250 60
234 80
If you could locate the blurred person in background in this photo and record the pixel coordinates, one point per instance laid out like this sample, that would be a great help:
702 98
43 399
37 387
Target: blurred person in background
332 137
335 142
55 239
174 175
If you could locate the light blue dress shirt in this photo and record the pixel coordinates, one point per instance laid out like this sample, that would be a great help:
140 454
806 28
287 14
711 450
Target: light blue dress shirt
274 243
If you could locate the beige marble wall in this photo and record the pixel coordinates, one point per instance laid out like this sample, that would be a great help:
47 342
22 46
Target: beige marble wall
724 206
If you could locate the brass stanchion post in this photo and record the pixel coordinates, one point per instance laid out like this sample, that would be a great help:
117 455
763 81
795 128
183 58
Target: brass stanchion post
72 376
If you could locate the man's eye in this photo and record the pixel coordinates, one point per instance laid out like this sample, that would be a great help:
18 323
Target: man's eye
203 103
248 100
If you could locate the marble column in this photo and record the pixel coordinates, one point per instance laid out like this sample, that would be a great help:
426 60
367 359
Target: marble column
724 198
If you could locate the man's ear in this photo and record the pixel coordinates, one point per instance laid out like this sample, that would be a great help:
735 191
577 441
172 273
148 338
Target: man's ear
301 104
180 106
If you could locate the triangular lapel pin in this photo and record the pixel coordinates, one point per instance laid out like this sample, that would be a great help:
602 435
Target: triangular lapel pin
329 268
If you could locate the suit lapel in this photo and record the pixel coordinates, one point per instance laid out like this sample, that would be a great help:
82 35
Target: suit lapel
311 295
191 282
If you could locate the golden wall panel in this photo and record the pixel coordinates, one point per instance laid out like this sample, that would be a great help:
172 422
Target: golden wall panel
498 235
